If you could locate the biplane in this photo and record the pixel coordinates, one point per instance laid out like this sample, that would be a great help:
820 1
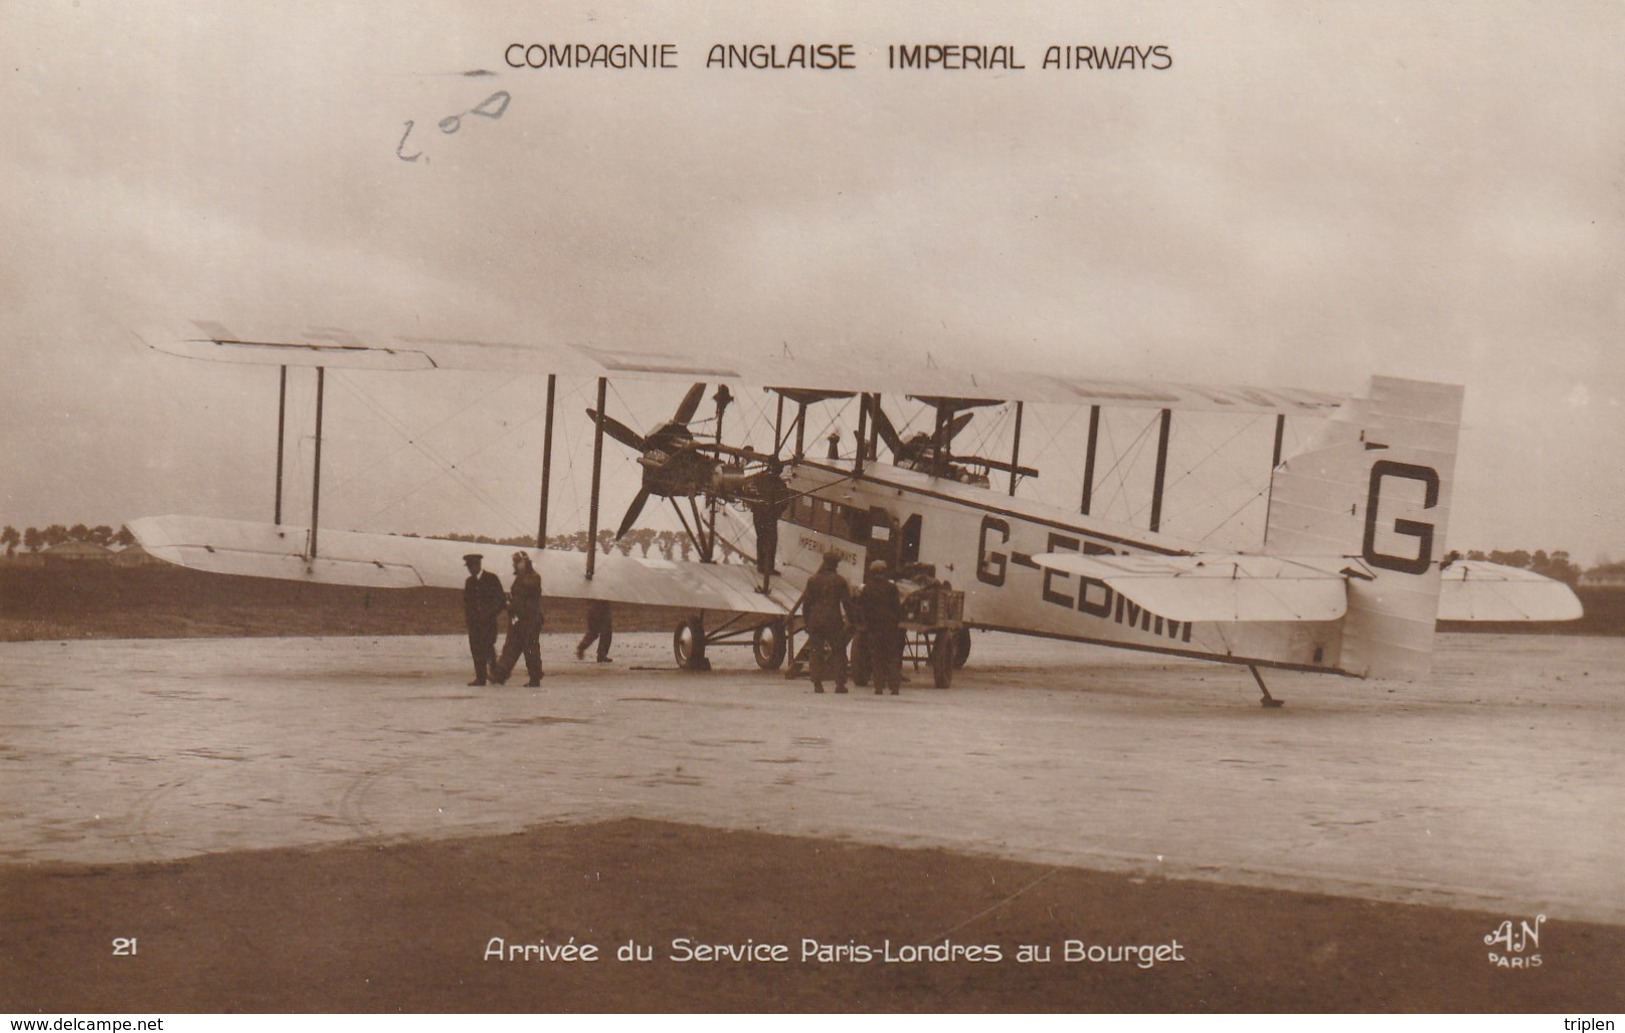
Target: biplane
1350 578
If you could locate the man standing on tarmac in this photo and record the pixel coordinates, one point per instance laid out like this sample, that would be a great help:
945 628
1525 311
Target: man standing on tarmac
600 629
525 633
826 606
483 600
880 612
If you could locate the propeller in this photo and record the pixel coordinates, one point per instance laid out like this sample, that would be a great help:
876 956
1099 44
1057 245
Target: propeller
919 447
632 512
621 432
689 405
677 425
888 433
661 454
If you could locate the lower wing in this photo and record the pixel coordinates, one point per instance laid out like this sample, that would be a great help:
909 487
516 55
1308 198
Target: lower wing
396 561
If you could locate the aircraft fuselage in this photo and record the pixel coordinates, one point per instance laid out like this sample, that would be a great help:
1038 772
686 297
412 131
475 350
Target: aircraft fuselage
983 542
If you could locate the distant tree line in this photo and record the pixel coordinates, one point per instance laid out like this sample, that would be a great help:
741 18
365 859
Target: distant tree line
669 545
34 539
1608 566
1556 565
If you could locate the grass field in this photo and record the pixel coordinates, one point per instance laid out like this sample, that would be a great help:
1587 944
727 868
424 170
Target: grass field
38 603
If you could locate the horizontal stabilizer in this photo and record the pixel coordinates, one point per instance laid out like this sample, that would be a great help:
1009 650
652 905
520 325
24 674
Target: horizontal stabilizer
1473 590
398 561
1215 588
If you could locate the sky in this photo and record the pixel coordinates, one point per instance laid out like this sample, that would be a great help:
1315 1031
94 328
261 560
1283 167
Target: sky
1307 195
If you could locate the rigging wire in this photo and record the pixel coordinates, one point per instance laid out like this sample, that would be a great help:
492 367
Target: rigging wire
1211 497
1130 454
448 466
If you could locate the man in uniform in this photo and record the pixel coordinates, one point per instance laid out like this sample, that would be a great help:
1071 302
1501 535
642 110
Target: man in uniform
525 632
826 606
600 629
483 600
765 515
880 611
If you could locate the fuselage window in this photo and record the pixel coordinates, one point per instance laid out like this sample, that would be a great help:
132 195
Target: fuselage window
801 511
844 522
839 525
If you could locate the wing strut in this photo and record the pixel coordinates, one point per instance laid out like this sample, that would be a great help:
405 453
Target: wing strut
722 397
1162 469
316 478
778 429
281 435
1089 460
874 427
1015 449
597 470
547 465
862 440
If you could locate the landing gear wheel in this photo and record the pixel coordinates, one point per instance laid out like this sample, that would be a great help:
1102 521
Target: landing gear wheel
857 664
942 659
961 647
770 643
688 645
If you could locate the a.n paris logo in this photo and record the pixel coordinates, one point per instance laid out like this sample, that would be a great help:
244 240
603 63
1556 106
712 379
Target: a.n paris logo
1514 947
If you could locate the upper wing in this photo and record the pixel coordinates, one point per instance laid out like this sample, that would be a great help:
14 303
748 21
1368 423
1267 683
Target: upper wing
340 348
1473 590
1216 588
396 561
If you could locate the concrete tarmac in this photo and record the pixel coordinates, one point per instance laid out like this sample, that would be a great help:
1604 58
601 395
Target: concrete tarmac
1496 784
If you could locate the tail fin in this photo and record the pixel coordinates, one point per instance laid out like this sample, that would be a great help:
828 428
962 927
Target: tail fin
1374 487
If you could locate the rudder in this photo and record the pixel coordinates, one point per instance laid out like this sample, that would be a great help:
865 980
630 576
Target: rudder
1374 488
